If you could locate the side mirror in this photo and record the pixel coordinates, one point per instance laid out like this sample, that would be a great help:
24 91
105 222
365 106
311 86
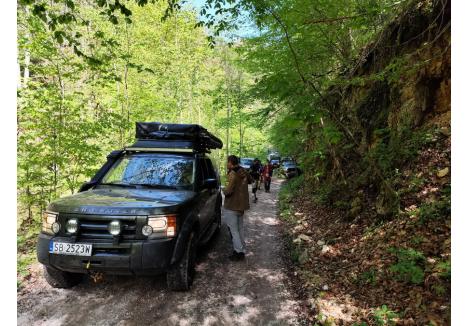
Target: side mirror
210 183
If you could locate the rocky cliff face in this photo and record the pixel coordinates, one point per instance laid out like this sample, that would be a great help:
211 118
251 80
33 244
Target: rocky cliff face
405 73
391 101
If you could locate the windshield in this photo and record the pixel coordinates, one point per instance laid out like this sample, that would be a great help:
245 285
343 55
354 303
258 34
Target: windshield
151 170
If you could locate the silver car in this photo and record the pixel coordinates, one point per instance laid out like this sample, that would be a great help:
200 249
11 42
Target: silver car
246 162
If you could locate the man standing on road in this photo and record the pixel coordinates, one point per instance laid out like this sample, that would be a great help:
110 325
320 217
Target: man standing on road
236 201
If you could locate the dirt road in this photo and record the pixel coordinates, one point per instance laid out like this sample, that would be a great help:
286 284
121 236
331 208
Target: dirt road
251 292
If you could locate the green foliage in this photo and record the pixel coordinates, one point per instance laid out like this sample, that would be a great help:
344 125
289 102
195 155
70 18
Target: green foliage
291 188
410 265
300 52
384 316
417 239
325 193
444 269
438 289
295 253
368 277
393 148
77 102
23 262
439 209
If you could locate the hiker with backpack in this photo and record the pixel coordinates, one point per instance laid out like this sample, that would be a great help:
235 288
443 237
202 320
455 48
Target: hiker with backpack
255 172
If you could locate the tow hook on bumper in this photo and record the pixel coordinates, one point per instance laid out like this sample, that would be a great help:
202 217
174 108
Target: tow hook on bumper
96 276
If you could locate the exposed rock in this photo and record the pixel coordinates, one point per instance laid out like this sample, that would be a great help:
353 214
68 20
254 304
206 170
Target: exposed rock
442 173
445 131
320 243
298 228
312 304
305 237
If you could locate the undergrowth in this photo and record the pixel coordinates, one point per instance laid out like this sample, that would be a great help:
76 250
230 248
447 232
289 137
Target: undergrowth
409 266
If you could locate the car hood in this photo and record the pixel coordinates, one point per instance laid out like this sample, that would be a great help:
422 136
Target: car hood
121 201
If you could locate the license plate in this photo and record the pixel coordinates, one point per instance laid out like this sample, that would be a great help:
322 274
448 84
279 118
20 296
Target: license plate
74 249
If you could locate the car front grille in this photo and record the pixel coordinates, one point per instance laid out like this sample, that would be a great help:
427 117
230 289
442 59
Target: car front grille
96 227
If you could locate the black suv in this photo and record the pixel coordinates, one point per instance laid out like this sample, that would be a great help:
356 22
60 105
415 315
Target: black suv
145 211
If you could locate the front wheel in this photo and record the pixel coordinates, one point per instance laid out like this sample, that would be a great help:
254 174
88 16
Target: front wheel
180 276
61 279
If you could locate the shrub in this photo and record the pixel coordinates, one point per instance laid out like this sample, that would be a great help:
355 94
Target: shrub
436 210
444 269
290 189
368 277
384 316
410 265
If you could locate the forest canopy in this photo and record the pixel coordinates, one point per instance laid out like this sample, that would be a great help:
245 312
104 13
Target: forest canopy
86 80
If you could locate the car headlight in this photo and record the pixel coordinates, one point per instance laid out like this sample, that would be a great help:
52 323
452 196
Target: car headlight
160 226
50 224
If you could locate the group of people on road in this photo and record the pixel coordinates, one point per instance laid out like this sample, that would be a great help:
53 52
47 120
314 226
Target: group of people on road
236 200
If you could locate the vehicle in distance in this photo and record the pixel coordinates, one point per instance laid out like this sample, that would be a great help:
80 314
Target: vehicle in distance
246 162
290 169
274 159
145 211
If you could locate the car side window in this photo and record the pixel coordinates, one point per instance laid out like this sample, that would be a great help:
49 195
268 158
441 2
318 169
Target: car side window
210 170
203 169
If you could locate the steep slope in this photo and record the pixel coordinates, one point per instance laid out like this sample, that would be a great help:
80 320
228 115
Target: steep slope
369 228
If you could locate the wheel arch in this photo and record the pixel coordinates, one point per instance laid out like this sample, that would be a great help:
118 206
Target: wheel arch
191 223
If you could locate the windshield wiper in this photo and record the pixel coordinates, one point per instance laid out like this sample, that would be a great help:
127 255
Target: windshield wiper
155 186
126 185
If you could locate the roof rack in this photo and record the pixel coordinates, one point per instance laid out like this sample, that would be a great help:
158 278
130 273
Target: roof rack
159 137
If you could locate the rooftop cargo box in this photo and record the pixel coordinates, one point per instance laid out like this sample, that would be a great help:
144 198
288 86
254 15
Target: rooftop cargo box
174 136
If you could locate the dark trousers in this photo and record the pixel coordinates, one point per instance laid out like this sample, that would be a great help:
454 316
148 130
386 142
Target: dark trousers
267 183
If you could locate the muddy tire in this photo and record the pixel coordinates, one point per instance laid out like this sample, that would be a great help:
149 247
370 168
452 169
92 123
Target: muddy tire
61 279
180 276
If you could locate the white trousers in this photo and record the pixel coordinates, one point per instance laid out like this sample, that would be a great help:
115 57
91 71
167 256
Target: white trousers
235 222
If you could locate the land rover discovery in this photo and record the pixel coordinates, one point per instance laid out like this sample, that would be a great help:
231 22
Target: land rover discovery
145 211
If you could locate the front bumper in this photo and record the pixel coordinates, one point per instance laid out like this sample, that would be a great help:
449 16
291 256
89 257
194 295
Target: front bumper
142 257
